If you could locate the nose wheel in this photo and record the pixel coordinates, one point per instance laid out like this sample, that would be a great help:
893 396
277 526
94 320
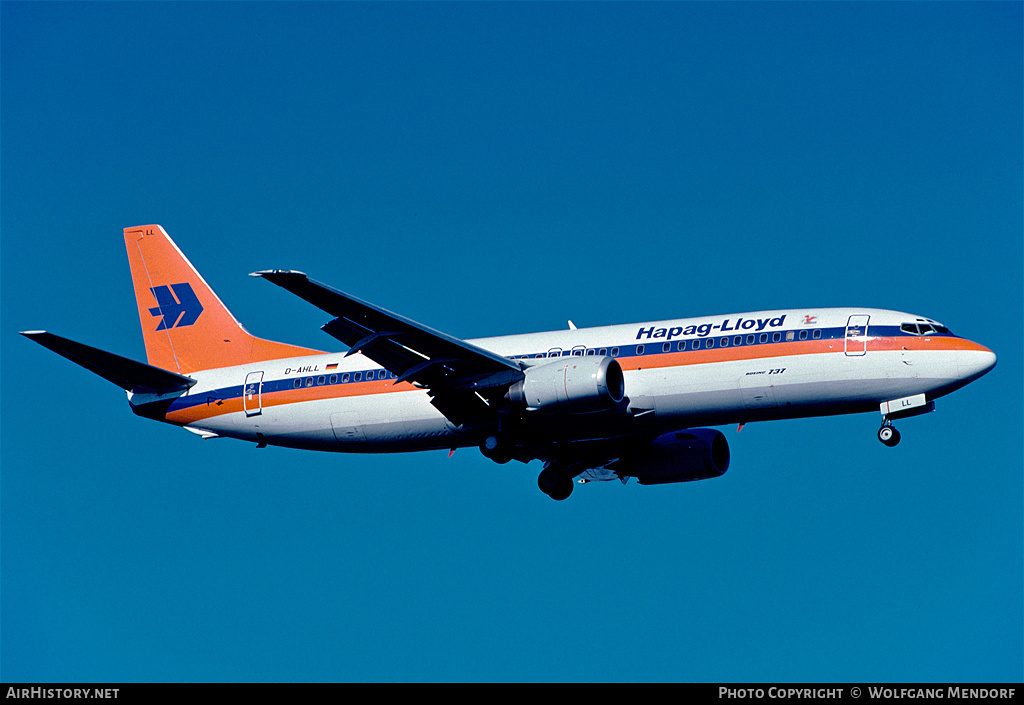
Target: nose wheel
888 434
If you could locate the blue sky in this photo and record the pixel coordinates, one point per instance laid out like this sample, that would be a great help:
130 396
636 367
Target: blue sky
494 168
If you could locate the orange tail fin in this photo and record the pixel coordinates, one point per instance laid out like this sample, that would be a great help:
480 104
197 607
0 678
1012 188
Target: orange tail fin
185 326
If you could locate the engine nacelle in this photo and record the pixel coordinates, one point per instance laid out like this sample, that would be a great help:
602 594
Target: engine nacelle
571 384
680 456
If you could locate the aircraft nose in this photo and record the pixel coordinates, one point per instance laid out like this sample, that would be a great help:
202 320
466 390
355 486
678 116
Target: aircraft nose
976 362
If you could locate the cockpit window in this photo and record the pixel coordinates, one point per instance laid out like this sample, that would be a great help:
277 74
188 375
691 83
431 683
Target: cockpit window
924 328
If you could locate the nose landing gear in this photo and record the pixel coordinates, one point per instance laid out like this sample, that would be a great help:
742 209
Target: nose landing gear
901 409
888 434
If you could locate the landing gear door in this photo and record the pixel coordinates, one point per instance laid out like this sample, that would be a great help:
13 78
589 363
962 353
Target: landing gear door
857 335
252 394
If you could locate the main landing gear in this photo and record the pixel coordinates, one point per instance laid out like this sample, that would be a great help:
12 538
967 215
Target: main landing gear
888 434
495 448
555 483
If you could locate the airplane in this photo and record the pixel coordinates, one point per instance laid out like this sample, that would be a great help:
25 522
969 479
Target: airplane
593 404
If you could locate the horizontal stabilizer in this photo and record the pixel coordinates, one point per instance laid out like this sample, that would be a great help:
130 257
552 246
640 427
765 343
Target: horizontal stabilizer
136 377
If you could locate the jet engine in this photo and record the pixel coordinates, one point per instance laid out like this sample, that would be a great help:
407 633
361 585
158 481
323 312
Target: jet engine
571 384
679 456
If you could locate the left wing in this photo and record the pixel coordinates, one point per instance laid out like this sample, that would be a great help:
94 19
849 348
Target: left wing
461 377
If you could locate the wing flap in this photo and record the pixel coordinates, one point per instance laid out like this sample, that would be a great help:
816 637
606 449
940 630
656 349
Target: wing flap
410 350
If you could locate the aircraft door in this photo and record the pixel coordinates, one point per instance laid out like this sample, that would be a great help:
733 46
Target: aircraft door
758 393
252 394
857 335
347 428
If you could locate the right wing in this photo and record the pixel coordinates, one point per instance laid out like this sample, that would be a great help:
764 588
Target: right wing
460 376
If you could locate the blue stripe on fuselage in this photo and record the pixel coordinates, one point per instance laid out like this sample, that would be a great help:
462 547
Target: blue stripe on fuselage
632 349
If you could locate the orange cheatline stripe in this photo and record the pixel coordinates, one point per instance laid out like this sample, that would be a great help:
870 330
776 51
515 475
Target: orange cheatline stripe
787 349
218 407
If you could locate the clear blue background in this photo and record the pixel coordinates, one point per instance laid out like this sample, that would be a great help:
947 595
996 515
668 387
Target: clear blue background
499 168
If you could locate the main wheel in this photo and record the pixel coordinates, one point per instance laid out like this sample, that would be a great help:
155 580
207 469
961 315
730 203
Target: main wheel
493 448
556 485
888 435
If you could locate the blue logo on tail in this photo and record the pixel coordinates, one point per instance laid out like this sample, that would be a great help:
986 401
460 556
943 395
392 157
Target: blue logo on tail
178 309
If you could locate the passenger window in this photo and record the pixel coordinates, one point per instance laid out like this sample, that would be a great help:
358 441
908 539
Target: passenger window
334 379
667 347
724 342
615 352
344 378
696 345
357 377
602 352
750 340
763 338
591 351
738 340
309 381
298 383
681 345
776 337
709 343
803 335
321 379
789 335
816 335
639 349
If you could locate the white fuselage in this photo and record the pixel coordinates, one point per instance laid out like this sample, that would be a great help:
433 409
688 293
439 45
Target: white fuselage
681 373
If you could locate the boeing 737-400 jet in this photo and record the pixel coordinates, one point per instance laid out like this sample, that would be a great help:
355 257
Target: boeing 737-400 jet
592 403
